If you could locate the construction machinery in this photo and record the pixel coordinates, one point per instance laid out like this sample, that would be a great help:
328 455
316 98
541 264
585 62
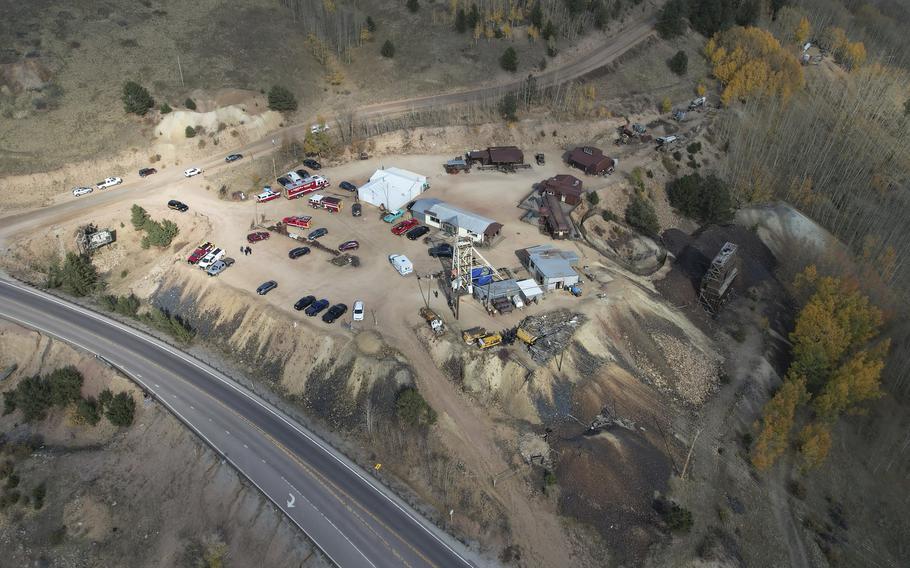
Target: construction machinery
432 318
489 340
472 335
526 336
717 281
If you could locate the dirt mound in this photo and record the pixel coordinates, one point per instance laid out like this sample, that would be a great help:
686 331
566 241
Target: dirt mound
694 253
172 127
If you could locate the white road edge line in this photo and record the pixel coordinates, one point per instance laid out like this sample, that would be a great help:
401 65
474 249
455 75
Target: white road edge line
243 392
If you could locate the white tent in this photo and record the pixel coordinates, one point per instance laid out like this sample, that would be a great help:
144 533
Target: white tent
392 188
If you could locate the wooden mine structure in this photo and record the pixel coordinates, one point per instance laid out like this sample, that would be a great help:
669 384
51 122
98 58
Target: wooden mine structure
715 284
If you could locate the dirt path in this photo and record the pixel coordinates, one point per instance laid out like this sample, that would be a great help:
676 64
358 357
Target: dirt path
538 531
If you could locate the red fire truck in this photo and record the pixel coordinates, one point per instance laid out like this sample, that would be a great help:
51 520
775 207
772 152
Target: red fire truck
305 186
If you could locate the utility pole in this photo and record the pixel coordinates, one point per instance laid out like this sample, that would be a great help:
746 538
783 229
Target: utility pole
180 71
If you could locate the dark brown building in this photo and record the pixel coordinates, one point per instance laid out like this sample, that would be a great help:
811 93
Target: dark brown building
591 161
566 188
553 219
498 156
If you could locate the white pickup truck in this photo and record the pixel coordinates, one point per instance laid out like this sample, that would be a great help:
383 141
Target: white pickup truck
108 182
211 258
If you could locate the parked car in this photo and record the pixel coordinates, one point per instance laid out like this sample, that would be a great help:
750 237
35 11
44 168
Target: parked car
266 287
257 236
393 216
200 252
312 164
144 172
302 173
317 128
298 252
334 313
108 182
79 191
233 158
317 307
315 234
304 302
417 232
405 226
348 245
401 263
177 206
357 313
228 261
216 268
348 186
356 210
211 258
443 250
192 172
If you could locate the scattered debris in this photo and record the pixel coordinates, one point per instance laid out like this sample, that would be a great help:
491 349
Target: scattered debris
546 335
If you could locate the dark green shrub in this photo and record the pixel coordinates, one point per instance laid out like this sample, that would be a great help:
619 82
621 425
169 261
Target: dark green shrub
641 215
88 411
413 6
509 60
165 108
679 63
190 104
412 409
281 99
707 199
388 49
508 107
136 98
190 132
121 409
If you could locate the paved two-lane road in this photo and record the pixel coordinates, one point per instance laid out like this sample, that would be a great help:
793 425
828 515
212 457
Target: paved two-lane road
354 520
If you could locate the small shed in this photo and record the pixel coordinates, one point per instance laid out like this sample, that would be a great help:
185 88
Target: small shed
530 290
496 290
591 161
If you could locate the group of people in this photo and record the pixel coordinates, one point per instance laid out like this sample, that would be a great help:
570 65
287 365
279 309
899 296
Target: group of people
246 250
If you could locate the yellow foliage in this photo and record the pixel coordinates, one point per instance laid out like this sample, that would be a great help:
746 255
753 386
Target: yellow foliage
814 444
453 7
507 31
802 31
801 192
856 381
852 55
701 90
329 6
666 105
757 187
489 32
750 62
533 33
365 34
478 31
833 39
777 421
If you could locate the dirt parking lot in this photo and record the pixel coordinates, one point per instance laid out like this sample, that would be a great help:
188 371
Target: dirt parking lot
386 294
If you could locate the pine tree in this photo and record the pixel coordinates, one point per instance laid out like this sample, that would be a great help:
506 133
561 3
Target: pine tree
679 63
671 21
78 275
509 60
136 98
388 50
461 21
413 6
281 99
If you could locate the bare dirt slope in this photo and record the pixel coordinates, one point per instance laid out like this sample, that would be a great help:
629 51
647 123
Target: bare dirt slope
151 493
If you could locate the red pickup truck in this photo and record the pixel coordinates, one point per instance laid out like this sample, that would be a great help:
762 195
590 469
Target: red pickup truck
404 226
200 252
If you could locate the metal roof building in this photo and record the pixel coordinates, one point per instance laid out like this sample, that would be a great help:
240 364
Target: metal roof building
552 267
437 213
392 188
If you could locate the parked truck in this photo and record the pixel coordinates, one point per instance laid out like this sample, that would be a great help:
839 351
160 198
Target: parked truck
330 204
304 186
432 318
470 336
489 340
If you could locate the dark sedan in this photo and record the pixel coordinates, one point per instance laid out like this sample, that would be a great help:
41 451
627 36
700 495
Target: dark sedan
298 252
304 302
349 245
302 173
356 210
348 186
147 172
233 158
418 232
257 236
266 287
312 164
316 233
334 313
441 251
177 206
317 307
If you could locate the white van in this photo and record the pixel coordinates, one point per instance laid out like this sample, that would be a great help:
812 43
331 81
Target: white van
401 264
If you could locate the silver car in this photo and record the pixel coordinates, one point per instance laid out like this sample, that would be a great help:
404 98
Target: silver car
216 268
